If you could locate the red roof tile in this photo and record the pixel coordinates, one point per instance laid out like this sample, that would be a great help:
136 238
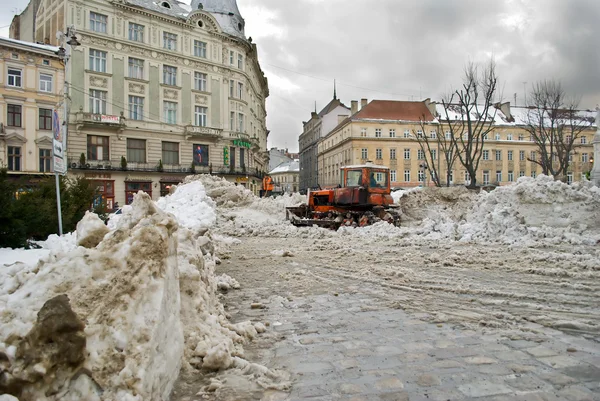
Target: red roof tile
394 110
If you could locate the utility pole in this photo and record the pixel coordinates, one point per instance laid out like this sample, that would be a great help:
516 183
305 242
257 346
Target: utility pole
68 41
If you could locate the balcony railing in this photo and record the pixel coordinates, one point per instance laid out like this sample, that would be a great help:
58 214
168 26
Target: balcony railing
83 120
115 165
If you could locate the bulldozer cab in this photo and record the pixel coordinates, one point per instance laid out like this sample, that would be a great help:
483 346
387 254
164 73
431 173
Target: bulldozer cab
371 177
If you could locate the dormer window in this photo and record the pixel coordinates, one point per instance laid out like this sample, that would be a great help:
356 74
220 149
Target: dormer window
165 4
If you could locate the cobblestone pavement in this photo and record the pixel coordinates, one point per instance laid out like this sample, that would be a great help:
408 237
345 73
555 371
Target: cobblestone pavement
342 340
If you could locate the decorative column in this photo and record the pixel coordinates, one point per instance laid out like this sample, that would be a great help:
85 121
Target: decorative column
595 175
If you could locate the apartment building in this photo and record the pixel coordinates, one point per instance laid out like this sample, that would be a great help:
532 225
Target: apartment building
31 80
384 132
286 176
319 125
160 90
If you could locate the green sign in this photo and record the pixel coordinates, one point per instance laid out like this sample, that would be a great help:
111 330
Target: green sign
242 144
225 156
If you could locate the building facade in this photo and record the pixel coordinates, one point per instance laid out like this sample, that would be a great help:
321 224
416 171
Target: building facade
384 132
31 81
286 177
278 156
160 90
319 125
23 25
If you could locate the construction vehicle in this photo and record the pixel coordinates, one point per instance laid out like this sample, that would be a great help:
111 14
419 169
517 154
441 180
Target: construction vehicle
362 198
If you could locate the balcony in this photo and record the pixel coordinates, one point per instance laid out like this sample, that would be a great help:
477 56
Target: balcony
104 121
194 131
108 166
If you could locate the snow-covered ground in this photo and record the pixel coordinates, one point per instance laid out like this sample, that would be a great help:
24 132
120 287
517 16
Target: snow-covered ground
145 296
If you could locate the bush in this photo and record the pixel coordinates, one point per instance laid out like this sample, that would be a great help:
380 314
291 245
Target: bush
29 212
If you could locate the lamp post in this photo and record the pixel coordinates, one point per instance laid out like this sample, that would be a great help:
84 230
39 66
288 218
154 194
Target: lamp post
595 174
68 42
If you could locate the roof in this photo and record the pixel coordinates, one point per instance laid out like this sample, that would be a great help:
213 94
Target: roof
178 9
287 167
331 106
33 46
394 110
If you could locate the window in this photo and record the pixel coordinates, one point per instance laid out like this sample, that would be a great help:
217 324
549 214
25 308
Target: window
170 153
97 60
420 155
583 140
448 135
14 158
498 155
231 55
509 137
240 122
486 177
45 62
200 116
533 155
421 175
136 32
497 136
393 175
509 155
584 158
199 49
521 137
232 121
467 178
498 176
240 62
231 87
169 41
364 153
433 154
392 133
451 176
97 147
200 81
170 112
14 78
511 176
486 155
521 155
570 157
45 160
240 91
169 75
568 139
363 132
378 154
485 137
406 133
521 174
97 101
392 154
406 175
419 134
136 150
377 132
45 119
136 108
433 134
45 83
533 174
98 22
14 115
136 68
406 154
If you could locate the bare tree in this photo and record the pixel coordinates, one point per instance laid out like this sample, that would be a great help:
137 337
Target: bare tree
468 114
436 148
554 124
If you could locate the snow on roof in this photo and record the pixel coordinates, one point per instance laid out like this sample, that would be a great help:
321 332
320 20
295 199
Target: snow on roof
394 110
287 167
32 45
175 9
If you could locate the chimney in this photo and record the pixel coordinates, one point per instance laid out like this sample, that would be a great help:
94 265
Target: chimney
354 107
363 103
431 106
505 109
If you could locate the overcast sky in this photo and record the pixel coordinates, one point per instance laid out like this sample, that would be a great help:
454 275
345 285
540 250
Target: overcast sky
410 50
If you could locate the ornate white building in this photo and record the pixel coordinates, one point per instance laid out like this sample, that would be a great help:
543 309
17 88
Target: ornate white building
159 90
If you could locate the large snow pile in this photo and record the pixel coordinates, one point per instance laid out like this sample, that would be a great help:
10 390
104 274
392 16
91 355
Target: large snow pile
117 320
530 211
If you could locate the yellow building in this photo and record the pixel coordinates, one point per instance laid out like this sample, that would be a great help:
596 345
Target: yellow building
384 132
30 89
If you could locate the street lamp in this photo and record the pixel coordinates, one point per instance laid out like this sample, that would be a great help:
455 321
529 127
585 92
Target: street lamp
68 42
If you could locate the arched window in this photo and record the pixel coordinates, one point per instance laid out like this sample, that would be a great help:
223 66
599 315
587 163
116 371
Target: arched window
165 4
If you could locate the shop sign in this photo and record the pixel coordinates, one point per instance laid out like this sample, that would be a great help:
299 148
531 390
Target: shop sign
225 155
241 179
242 144
109 119
96 175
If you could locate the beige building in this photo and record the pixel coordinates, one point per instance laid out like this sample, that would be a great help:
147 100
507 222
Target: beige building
31 82
384 132
286 177
160 90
